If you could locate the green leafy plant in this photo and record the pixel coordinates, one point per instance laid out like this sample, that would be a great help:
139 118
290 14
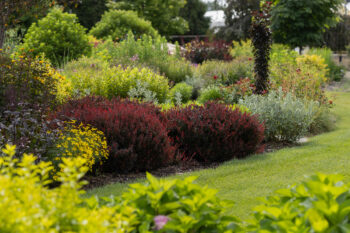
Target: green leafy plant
59 36
211 93
286 117
178 206
181 93
89 76
116 24
320 204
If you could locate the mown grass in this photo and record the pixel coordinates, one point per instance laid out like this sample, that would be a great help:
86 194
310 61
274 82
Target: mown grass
244 181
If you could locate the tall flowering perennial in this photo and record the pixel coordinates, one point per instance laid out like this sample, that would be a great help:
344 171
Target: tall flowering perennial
81 141
261 40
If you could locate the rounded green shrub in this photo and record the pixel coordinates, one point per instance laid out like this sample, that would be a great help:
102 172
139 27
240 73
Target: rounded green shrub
89 76
117 23
181 92
211 93
58 36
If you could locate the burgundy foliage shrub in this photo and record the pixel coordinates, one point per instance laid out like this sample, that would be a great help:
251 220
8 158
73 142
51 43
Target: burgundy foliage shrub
200 51
136 135
214 133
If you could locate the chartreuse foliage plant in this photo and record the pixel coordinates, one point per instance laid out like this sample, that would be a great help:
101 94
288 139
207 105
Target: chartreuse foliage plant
80 140
89 76
320 204
335 72
116 24
59 36
32 207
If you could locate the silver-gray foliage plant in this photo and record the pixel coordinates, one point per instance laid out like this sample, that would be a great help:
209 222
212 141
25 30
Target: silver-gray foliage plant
286 117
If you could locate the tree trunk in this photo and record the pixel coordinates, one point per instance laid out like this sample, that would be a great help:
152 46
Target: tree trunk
2 35
300 50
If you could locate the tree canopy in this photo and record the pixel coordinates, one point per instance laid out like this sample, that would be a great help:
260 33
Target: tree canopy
164 15
13 10
193 13
238 18
302 23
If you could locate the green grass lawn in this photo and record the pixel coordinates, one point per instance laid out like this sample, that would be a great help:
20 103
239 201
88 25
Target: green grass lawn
244 181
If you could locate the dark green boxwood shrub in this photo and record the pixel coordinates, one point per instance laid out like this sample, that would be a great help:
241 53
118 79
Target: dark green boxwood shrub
58 36
116 24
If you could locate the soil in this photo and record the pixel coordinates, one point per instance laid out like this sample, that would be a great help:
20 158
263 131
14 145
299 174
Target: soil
184 167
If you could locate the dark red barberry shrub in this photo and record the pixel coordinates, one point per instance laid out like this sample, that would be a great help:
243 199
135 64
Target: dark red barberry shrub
214 132
199 51
136 136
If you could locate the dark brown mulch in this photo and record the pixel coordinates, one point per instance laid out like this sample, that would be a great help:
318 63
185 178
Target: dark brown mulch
184 167
110 178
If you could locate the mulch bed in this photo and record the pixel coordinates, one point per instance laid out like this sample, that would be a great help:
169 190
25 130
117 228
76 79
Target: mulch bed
110 178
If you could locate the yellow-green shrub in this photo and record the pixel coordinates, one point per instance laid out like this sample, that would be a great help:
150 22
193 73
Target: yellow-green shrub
80 141
89 76
59 36
242 49
304 78
29 206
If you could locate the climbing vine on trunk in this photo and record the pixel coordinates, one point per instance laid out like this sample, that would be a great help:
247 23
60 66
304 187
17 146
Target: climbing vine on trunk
261 39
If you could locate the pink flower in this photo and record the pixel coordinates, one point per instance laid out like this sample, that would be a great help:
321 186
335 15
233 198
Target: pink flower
215 77
134 58
160 221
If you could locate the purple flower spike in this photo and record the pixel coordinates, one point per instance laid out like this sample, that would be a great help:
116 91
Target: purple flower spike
160 221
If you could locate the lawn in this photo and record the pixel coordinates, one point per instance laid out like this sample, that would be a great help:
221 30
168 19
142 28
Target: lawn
244 181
